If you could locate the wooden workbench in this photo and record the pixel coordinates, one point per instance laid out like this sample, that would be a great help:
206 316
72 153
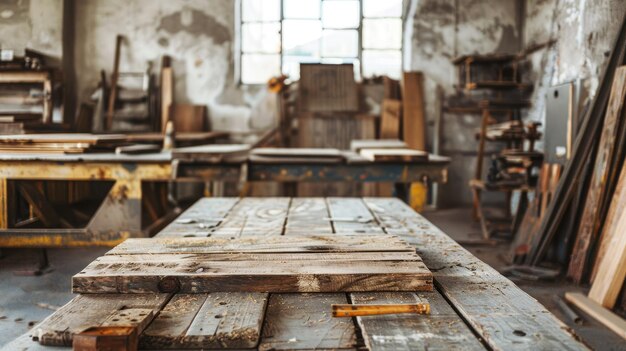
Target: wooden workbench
472 308
119 216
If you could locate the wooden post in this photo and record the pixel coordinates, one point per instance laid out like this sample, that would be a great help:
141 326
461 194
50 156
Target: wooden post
114 77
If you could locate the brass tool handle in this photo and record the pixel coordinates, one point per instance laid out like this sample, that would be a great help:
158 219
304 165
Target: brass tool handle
348 310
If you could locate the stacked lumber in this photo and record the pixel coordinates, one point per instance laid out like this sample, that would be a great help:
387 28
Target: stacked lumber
289 264
75 143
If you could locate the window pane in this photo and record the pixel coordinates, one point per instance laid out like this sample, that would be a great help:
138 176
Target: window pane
260 37
382 8
258 69
340 13
260 10
382 62
340 43
291 65
382 33
301 9
302 37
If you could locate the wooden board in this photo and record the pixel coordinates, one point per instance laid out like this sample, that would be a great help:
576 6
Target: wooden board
85 311
616 211
414 120
442 330
498 311
201 219
609 319
304 322
189 118
358 145
612 267
592 214
394 155
351 216
212 153
255 217
167 95
390 117
300 267
307 216
296 155
207 321
326 88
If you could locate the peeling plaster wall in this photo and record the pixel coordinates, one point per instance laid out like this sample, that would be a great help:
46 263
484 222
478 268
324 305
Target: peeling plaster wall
197 34
440 31
585 31
33 24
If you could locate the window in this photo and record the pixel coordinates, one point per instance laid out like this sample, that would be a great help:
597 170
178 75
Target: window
278 35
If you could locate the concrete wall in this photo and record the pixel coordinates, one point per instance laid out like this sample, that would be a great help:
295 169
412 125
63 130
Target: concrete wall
197 34
585 32
440 30
33 24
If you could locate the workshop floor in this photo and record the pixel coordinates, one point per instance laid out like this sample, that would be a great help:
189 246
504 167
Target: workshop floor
26 300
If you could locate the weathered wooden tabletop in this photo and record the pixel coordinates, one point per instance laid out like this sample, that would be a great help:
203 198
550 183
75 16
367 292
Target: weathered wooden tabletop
472 308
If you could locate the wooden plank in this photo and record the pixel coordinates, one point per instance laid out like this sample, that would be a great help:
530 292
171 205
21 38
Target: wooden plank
256 217
495 308
201 219
351 216
612 267
207 321
167 95
276 244
616 211
394 155
212 153
189 118
85 311
308 216
414 126
304 322
390 116
191 275
358 145
326 88
443 329
114 78
609 319
592 216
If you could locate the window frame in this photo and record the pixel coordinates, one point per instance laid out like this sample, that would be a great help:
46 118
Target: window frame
238 61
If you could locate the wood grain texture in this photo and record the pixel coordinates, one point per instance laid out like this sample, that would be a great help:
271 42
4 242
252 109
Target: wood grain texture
87 311
308 216
259 244
609 319
390 116
496 309
207 321
592 216
327 88
352 208
442 330
304 322
414 126
612 267
194 274
255 217
201 219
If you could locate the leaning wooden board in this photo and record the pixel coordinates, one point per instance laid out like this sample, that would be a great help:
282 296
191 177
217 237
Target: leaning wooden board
473 308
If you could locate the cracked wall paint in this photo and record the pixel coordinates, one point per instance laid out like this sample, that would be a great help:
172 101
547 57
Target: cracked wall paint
197 34
585 31
442 30
34 24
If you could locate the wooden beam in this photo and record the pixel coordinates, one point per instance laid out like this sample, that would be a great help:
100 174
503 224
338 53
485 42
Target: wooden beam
114 77
414 126
609 319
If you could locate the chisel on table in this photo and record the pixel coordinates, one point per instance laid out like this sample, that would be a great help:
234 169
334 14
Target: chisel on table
348 310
